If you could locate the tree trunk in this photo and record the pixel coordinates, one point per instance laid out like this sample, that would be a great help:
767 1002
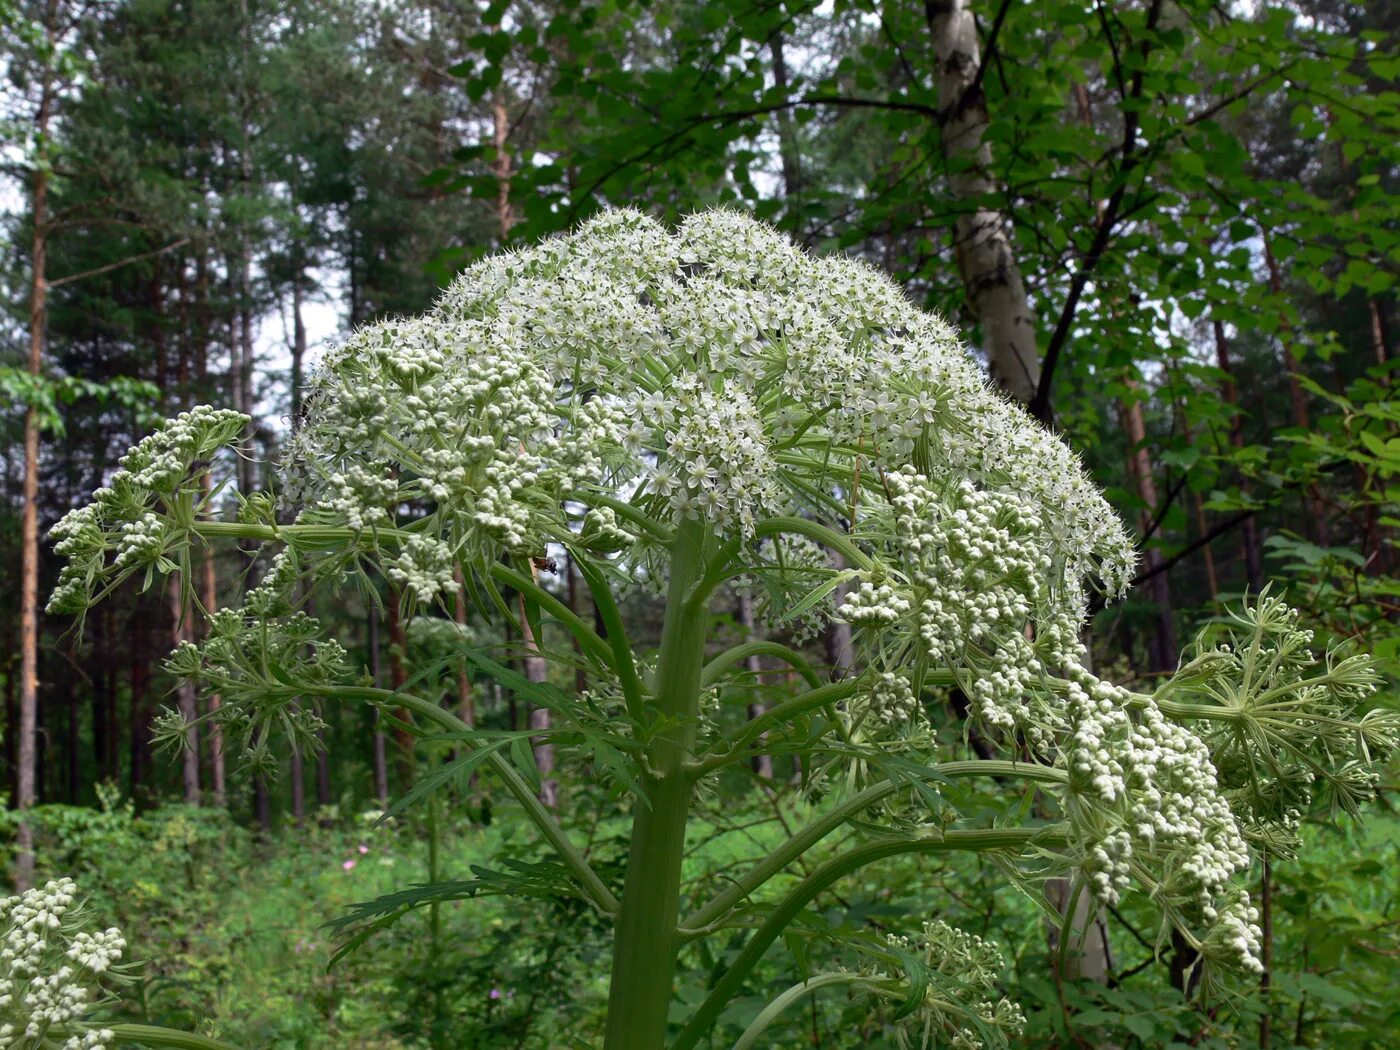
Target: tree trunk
996 293
1212 581
298 348
1321 533
209 598
298 345
1087 956
71 761
505 217
466 703
298 776
262 802
29 521
136 717
403 739
537 670
11 718
580 674
1164 654
181 630
379 759
102 729
762 764
1249 531
840 648
789 153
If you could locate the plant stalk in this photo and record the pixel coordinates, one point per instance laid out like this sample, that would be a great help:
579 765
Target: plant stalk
646 941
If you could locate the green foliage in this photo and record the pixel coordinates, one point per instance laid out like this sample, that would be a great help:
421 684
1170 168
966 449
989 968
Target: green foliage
241 950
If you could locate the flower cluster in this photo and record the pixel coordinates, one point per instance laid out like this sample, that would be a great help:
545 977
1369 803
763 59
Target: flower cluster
424 569
960 1007
128 525
267 664
794 575
641 379
1323 741
871 603
890 701
1143 794
717 464
1235 937
51 970
601 532
713 371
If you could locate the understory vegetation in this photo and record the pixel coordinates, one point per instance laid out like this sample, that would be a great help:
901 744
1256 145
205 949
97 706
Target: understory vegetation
234 936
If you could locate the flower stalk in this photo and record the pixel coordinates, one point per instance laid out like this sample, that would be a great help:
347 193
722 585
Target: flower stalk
646 937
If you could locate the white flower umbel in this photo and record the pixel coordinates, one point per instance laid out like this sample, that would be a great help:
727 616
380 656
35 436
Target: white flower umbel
51 971
631 391
714 370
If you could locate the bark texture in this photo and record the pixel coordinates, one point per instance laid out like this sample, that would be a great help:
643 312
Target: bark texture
753 664
29 520
996 292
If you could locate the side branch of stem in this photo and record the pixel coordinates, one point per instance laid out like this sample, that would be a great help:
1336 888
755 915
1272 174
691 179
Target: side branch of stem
778 861
782 915
594 887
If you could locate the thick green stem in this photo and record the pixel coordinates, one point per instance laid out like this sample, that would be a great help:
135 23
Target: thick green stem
646 941
782 915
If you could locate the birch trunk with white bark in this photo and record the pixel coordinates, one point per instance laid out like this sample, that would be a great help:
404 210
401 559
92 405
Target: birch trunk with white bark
996 292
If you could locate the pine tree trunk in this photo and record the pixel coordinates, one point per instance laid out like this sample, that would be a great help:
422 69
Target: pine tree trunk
209 598
243 351
1212 581
181 630
996 293
1164 652
1249 530
29 520
102 688
140 672
571 578
403 739
298 778
1298 400
537 670
789 152
379 758
11 718
466 703
763 763
840 648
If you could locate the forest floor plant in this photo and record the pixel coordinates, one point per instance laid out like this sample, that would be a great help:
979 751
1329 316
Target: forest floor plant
708 406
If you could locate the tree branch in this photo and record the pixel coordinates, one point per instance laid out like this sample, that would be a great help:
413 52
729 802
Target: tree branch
1040 404
1219 529
118 264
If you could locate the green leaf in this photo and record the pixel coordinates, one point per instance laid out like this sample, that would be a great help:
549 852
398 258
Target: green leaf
458 768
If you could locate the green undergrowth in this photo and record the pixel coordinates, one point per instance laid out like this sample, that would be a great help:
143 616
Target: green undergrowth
231 931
